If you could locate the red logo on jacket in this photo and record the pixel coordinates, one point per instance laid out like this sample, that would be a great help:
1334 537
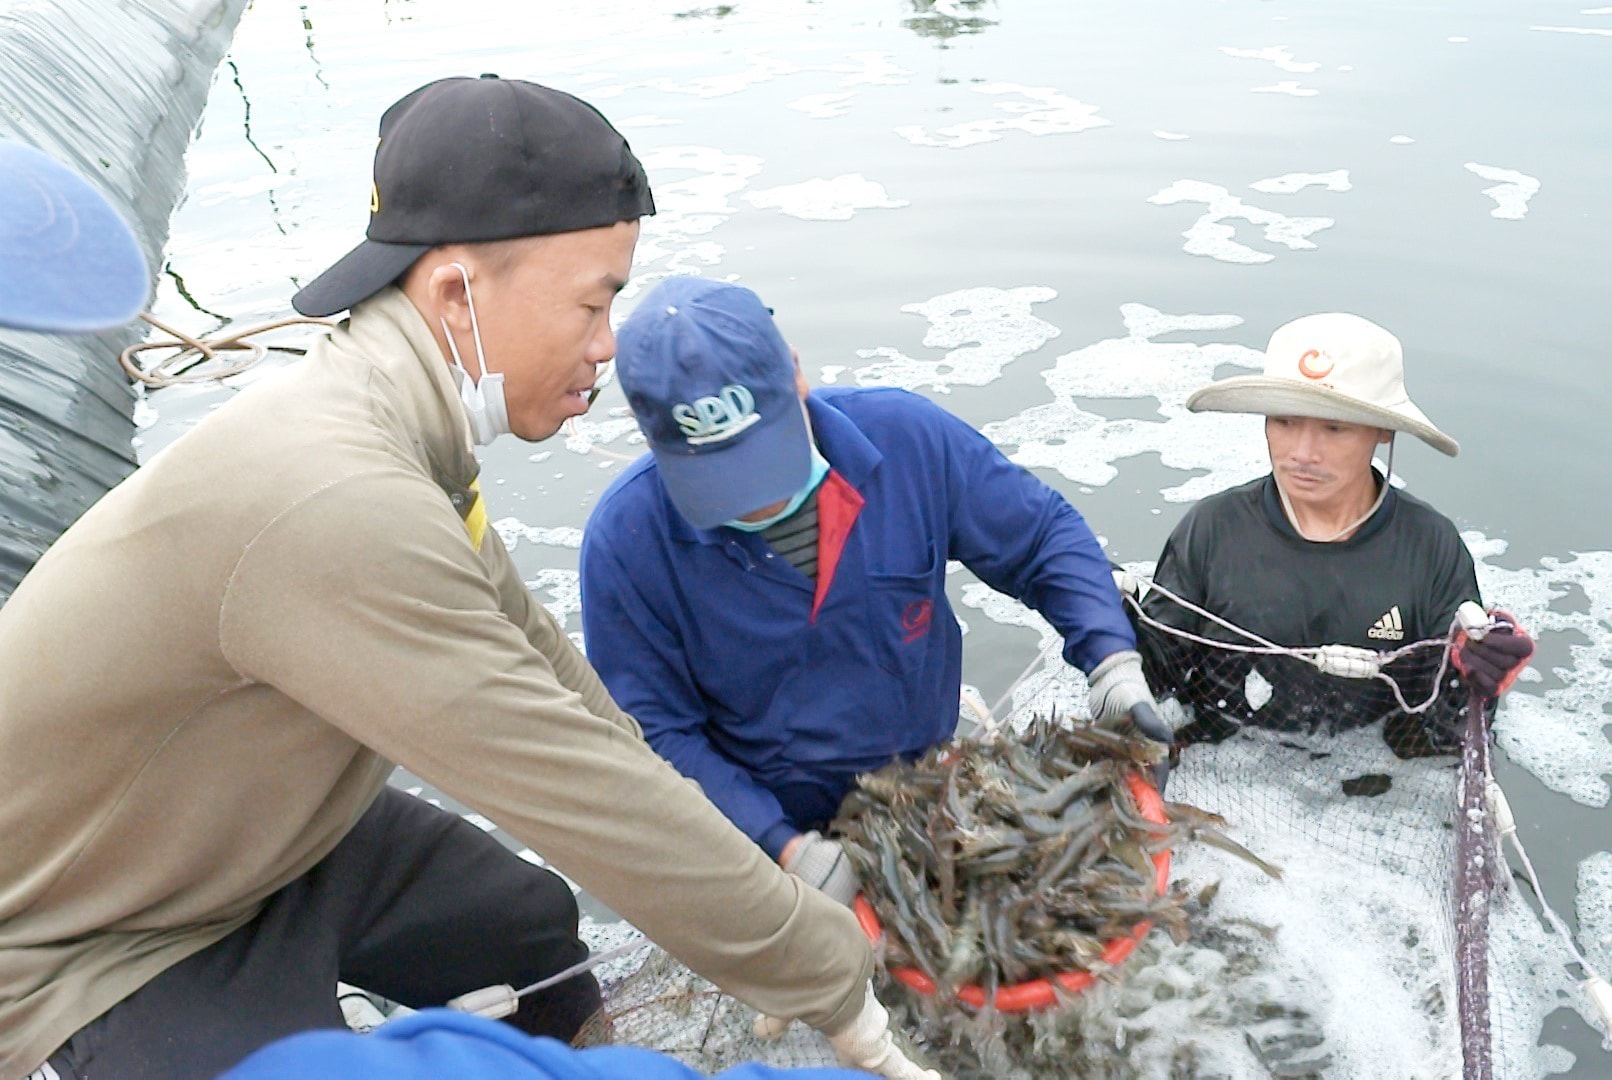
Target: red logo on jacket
915 618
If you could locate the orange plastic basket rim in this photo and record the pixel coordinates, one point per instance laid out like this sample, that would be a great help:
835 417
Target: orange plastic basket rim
1043 993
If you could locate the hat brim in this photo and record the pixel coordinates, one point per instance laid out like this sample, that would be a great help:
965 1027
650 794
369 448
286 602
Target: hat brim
1271 396
69 263
355 277
766 465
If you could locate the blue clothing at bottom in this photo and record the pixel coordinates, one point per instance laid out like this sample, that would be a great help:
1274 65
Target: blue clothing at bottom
438 1043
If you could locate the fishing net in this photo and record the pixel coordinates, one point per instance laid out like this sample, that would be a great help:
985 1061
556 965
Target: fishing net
1372 956
653 1001
1377 762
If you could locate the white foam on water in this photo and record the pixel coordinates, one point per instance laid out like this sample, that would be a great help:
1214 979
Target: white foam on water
1596 31
647 120
1401 140
1084 447
984 329
1210 236
824 106
831 373
1596 11
1288 183
145 413
232 190
513 530
1286 86
1280 55
1594 910
1558 734
819 199
1458 40
583 433
1347 947
687 208
760 68
871 69
1038 110
1511 192
565 593
1170 136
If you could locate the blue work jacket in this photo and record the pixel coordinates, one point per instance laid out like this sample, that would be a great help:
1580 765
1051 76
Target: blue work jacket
774 692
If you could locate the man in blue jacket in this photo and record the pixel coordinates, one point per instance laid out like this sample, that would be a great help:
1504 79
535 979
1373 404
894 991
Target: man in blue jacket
766 591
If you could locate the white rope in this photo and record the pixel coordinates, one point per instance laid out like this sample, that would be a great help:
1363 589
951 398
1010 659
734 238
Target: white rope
589 964
1322 657
1595 984
496 1002
1040 658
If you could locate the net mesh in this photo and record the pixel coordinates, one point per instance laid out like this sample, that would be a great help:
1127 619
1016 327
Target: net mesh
1353 784
1374 773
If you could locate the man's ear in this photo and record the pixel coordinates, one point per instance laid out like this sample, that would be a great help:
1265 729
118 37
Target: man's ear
802 387
1384 436
446 292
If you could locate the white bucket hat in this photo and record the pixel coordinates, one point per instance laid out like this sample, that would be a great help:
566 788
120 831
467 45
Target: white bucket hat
1331 367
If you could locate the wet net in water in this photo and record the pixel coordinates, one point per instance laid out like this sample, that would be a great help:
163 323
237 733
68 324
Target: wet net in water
1349 966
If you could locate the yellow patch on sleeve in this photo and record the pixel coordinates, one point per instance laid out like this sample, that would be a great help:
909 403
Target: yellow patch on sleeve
476 520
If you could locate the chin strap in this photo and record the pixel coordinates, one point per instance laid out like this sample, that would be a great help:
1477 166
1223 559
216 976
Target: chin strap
1382 494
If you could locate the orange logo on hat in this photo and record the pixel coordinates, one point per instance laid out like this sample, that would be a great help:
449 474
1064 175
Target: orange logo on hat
1313 373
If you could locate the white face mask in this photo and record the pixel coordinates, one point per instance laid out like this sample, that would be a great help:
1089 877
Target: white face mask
483 398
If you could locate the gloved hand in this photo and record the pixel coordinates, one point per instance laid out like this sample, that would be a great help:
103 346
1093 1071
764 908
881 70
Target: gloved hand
1491 664
1120 697
821 863
864 1043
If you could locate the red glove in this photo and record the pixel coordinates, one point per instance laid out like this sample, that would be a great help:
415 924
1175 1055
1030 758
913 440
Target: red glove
1493 664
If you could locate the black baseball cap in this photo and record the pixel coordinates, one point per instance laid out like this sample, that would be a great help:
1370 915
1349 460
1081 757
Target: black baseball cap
467 160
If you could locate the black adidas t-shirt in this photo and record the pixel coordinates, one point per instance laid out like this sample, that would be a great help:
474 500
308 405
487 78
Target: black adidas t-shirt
1398 579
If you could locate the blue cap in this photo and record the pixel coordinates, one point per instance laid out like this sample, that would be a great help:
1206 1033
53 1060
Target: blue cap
712 383
68 262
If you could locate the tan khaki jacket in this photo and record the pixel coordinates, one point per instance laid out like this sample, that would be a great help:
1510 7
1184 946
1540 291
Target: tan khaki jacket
208 678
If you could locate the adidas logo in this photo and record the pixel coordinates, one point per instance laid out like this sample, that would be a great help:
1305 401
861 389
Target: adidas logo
1388 627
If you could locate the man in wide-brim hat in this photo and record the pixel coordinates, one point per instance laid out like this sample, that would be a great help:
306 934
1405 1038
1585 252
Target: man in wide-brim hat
1323 550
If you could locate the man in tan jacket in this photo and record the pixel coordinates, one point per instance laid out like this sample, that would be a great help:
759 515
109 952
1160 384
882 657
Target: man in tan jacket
206 682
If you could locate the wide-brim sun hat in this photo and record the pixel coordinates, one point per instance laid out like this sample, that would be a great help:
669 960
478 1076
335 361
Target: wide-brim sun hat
68 261
1332 366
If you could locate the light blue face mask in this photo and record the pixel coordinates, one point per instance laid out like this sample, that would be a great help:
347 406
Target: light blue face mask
814 478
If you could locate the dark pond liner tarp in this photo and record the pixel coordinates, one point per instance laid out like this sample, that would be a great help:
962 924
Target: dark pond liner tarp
113 90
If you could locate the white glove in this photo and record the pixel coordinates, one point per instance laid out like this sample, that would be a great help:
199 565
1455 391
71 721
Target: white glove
864 1043
1117 687
1120 698
822 864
